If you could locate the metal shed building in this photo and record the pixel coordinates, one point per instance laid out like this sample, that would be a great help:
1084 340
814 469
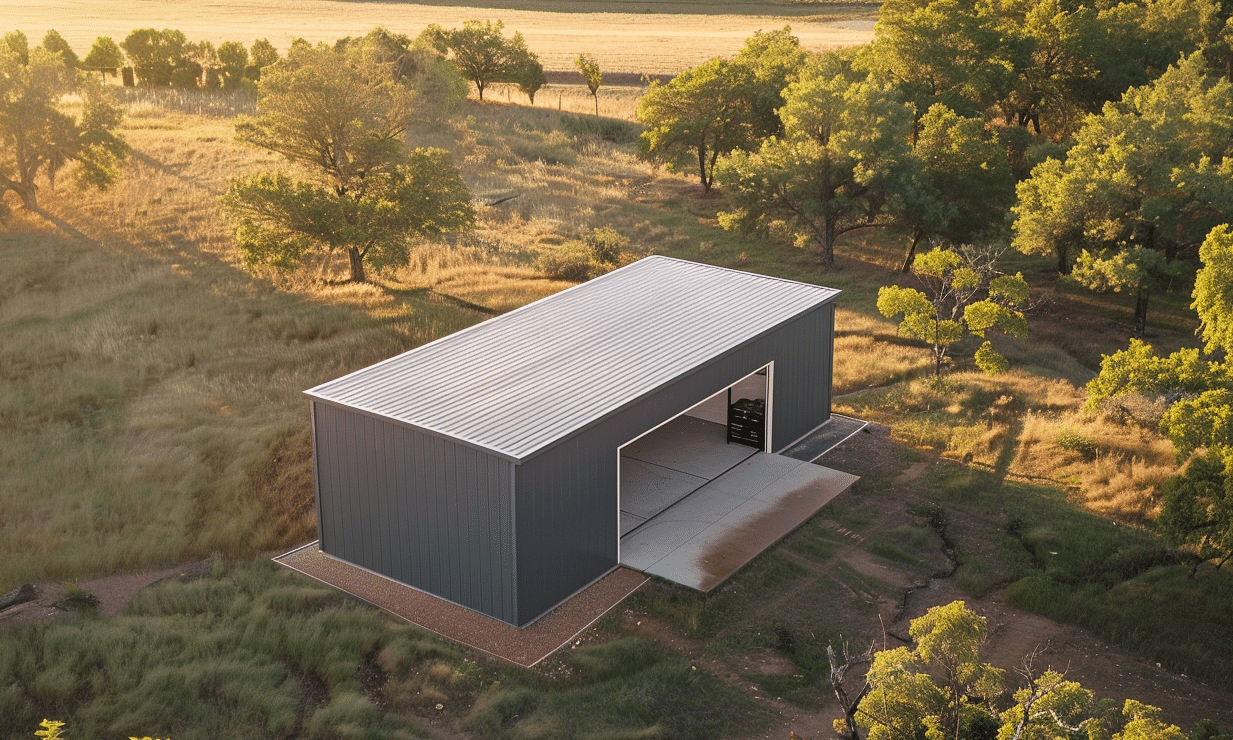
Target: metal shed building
483 467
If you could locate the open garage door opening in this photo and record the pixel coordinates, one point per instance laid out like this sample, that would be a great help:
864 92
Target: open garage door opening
668 463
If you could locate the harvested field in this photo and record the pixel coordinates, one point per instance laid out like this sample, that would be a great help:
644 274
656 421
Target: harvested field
665 40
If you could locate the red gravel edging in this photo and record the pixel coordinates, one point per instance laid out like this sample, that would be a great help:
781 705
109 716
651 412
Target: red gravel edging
525 647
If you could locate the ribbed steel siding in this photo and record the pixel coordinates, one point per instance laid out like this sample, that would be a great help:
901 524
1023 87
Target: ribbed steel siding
804 370
567 496
419 509
522 381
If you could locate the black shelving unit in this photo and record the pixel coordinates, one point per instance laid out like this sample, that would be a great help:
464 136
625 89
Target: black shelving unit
747 421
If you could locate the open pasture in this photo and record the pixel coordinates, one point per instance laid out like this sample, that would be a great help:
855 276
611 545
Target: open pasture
665 40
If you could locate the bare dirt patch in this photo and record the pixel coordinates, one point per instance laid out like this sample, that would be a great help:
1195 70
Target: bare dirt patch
113 592
638 41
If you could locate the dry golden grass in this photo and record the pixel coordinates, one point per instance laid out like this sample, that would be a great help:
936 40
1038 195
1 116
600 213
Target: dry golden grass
1114 469
616 102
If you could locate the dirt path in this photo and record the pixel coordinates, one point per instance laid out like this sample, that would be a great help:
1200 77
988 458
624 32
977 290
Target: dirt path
620 42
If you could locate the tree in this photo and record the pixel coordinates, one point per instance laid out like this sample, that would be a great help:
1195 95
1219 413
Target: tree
483 53
950 309
940 687
341 114
941 51
1197 505
1196 508
261 55
838 167
19 45
721 105
1059 51
438 85
774 60
702 112
590 71
158 56
233 61
104 57
966 183
1213 289
530 77
55 43
1139 188
39 138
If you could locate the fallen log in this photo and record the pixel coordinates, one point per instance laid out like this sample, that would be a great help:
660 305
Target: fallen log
20 595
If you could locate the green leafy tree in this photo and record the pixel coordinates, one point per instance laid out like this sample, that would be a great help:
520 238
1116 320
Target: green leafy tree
775 60
159 58
1058 71
232 60
941 690
1197 506
938 689
341 114
590 71
941 51
1196 509
440 88
39 138
530 77
948 309
483 53
261 55
701 114
1048 707
55 43
104 57
721 105
965 183
1213 289
19 45
1139 187
840 165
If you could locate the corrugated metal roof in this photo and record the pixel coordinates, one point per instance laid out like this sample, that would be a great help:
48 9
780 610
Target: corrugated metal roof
521 381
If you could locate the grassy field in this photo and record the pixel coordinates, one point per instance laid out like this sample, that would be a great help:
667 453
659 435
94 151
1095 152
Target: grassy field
150 413
634 37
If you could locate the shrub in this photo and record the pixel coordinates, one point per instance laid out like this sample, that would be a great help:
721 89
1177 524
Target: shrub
1077 443
606 244
572 262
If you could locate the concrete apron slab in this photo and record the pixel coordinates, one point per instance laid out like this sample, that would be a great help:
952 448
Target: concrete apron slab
706 537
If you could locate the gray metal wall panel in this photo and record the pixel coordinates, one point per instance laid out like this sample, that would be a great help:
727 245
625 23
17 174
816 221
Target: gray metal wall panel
567 521
421 510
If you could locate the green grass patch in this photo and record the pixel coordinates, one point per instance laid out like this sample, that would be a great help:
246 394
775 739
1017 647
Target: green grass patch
630 689
815 540
703 615
1161 614
906 544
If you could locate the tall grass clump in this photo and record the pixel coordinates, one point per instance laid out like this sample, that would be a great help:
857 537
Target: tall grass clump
252 651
